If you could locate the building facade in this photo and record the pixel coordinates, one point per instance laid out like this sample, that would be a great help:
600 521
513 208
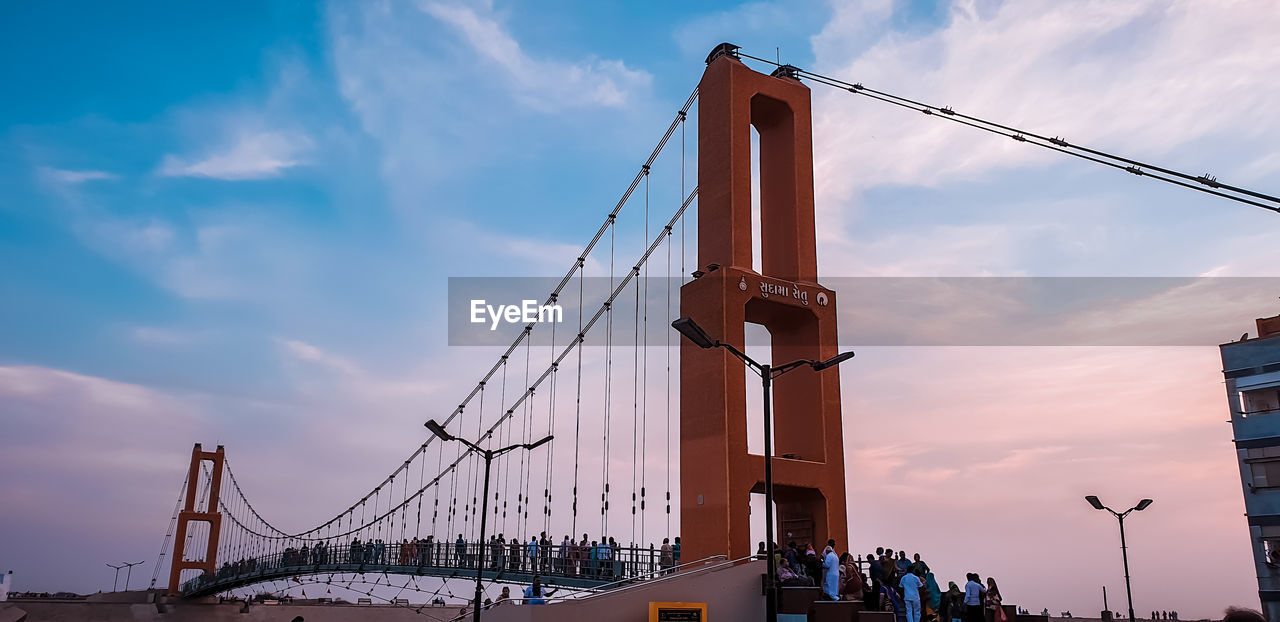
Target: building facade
1252 371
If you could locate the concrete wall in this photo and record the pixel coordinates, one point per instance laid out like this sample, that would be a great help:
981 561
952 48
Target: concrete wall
81 611
731 594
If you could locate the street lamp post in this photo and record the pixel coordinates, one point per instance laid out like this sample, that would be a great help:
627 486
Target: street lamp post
129 573
115 583
767 372
488 455
1124 549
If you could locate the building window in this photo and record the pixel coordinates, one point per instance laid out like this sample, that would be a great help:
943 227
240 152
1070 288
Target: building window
1272 548
1270 537
1260 401
1266 474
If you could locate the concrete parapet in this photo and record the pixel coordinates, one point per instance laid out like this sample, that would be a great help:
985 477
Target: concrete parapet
10 613
229 611
731 593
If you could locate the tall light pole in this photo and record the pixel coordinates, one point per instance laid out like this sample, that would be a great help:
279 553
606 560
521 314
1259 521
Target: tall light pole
115 583
1124 549
488 455
129 573
767 373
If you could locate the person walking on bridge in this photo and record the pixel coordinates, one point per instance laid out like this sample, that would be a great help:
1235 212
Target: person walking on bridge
495 553
973 599
994 604
910 584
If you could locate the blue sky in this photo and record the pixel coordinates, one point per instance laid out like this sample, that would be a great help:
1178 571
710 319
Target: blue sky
235 224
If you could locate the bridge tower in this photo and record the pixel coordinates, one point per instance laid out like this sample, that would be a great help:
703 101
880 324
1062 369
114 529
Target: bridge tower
208 514
717 474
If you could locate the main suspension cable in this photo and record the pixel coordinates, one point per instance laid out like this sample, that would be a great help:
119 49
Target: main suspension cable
1206 183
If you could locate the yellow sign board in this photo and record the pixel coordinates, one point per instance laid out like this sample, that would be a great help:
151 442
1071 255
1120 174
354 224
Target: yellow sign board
677 612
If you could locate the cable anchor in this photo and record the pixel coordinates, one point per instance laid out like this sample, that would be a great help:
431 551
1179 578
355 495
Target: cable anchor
786 71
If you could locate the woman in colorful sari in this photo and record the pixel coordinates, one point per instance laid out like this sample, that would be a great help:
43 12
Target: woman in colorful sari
891 600
932 597
852 582
995 613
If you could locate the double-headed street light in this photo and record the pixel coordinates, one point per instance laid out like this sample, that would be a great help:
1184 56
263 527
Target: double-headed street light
129 573
1124 550
115 583
767 372
488 455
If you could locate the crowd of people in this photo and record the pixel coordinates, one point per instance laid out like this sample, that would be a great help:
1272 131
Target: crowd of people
891 582
604 559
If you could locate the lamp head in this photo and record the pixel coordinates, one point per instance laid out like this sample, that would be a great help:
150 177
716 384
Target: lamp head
1142 505
1093 500
438 430
693 332
546 439
833 361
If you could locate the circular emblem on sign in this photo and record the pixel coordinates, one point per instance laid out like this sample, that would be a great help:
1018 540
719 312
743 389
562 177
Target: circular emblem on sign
742 285
822 299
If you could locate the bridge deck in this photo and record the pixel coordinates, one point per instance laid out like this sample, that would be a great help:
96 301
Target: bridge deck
625 565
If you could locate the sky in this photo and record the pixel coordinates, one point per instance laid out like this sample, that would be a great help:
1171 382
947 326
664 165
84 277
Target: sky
235 225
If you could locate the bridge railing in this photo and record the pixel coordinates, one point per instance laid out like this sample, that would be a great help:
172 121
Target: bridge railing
582 563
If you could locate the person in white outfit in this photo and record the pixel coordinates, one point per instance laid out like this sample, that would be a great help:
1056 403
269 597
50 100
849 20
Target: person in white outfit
910 585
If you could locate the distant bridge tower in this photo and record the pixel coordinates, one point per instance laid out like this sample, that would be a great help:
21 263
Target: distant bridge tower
717 474
208 514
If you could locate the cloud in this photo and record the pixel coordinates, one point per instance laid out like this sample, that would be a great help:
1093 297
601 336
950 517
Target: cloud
76 444
347 382
542 83
1020 459
1183 84
485 248
70 177
1096 72
230 254
303 351
257 155
494 101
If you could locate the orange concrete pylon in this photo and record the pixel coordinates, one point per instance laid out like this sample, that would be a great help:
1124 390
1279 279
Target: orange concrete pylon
207 514
717 474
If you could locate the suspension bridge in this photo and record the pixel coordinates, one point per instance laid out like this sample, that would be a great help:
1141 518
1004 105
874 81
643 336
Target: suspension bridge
649 471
